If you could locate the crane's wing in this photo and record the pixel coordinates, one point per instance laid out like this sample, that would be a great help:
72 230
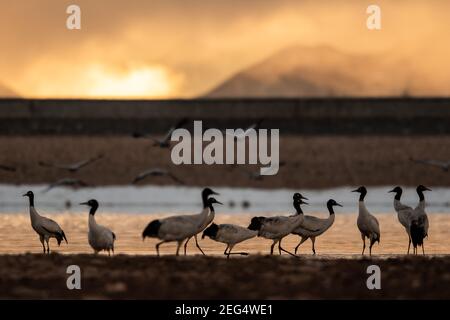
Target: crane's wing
272 224
84 163
312 224
51 226
436 163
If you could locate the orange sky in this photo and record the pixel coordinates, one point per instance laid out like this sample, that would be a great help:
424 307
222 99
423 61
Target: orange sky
183 48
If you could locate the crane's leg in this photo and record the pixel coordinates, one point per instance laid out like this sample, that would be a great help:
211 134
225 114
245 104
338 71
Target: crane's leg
229 251
179 243
279 246
185 245
364 243
423 248
409 244
301 241
48 247
42 241
313 240
273 245
198 246
225 252
372 241
157 246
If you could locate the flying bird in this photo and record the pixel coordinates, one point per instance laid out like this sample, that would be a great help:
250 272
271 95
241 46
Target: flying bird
69 182
156 172
444 165
99 237
44 227
165 141
253 127
72 167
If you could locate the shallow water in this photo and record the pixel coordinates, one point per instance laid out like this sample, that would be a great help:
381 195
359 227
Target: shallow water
157 199
343 239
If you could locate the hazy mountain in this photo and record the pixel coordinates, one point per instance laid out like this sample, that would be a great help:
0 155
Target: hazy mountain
320 72
6 92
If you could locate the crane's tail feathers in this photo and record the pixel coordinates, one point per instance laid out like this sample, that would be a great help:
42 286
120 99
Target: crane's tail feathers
114 236
64 237
418 232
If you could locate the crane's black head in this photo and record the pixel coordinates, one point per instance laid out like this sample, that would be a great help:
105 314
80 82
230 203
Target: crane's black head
422 188
298 196
29 194
211 201
256 223
398 192
211 231
207 192
333 203
91 203
362 191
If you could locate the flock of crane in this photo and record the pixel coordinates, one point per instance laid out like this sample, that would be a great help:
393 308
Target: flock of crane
182 228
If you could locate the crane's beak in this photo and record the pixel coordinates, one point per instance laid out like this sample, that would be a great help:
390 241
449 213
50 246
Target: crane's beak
24 195
303 202
356 190
391 191
339 205
218 202
215 193
304 198
84 203
427 189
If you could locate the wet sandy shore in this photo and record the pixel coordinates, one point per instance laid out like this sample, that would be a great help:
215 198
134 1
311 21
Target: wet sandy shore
254 277
311 161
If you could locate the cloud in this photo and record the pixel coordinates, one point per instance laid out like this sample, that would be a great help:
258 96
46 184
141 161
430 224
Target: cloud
196 44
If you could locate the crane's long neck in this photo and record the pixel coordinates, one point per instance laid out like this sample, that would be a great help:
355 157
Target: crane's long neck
421 195
330 209
31 200
398 195
205 200
362 195
92 211
298 207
